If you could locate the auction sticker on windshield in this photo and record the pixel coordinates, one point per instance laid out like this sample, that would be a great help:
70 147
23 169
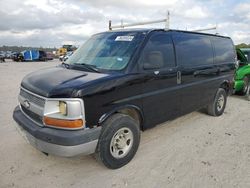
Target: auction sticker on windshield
124 38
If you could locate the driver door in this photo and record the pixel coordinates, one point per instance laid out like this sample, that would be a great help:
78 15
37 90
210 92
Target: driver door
160 89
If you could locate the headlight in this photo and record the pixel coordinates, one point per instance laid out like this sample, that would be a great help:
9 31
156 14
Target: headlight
64 113
63 107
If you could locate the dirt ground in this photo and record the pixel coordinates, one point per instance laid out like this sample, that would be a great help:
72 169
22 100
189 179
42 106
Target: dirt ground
195 150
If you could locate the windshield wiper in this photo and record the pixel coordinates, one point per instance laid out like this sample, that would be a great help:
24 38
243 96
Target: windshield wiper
88 66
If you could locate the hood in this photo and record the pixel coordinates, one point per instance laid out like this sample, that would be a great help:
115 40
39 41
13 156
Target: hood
58 81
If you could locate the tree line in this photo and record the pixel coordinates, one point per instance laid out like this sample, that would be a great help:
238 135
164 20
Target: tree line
243 45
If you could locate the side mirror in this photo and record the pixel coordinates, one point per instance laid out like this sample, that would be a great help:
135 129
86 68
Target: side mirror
153 60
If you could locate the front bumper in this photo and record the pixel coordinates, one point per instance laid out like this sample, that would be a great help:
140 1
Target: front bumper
58 142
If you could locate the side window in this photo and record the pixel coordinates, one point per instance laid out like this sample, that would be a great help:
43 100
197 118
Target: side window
158 52
193 49
224 50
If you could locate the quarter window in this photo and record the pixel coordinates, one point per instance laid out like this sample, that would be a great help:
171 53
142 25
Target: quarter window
193 49
224 50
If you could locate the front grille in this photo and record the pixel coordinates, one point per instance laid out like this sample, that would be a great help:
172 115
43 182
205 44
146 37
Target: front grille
34 107
32 115
32 98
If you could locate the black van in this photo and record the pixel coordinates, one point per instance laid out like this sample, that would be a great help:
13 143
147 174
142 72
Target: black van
121 82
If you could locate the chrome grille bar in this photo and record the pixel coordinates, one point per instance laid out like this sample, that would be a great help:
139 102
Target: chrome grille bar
32 98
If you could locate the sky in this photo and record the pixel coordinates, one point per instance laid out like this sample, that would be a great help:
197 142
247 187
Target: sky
52 23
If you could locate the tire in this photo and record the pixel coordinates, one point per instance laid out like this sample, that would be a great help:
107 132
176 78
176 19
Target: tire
245 86
115 151
217 107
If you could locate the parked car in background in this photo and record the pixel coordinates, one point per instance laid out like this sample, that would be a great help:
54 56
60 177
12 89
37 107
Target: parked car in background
61 57
18 57
49 56
30 55
13 54
242 74
8 54
2 58
66 56
42 56
2 54
121 82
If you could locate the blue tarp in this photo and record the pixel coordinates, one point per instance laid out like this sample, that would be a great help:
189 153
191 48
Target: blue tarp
31 55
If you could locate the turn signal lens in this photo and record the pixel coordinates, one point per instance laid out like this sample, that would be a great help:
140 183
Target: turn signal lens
62 123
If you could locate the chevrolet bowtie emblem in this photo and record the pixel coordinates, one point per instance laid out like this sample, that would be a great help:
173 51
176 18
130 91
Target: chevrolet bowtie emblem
26 104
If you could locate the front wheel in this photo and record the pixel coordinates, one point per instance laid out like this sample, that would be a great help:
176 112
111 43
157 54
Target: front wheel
217 107
118 142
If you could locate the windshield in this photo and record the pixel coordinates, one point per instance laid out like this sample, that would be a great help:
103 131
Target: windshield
109 51
241 56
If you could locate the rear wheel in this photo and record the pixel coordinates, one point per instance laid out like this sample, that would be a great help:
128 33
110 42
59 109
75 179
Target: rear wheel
118 142
217 107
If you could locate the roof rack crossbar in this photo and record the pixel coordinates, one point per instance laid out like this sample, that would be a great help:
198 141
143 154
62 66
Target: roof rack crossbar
206 29
166 20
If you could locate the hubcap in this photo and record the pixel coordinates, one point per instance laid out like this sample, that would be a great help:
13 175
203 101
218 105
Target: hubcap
121 143
220 103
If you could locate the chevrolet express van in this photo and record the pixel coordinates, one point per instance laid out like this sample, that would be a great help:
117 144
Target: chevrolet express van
119 83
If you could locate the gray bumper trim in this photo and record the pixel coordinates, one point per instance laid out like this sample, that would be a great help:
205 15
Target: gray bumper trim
59 150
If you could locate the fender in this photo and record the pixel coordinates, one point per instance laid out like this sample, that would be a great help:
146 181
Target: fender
242 71
119 108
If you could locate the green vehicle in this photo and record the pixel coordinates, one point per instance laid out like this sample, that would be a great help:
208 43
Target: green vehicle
246 51
242 75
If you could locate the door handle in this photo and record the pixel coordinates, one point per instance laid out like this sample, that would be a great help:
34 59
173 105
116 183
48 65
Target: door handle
178 77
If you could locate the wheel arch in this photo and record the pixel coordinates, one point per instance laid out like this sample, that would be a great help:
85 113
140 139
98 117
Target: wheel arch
131 110
226 86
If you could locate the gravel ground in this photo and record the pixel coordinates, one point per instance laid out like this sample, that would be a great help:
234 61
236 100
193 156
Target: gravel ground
195 150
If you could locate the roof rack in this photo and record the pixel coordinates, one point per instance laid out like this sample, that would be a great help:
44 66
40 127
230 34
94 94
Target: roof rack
166 20
122 26
207 29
